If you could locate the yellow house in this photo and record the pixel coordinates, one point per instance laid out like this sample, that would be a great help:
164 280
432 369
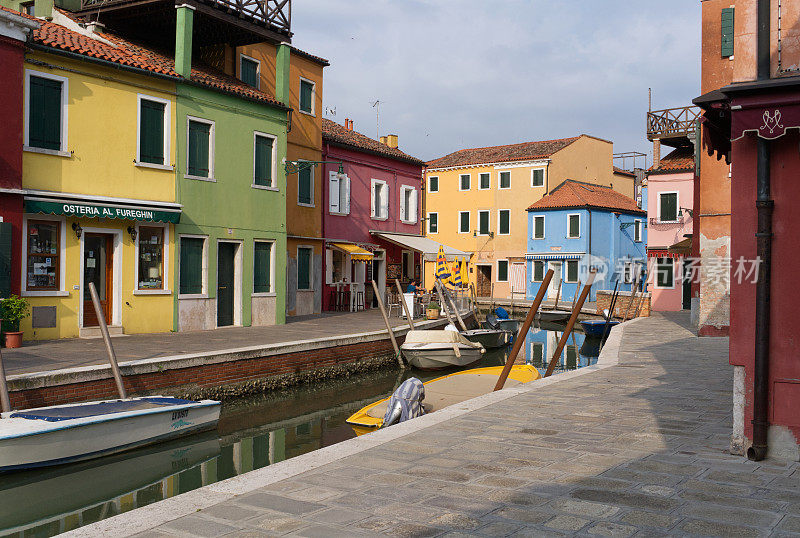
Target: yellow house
99 187
475 200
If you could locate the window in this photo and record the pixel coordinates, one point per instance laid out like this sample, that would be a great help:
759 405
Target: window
537 355
572 271
338 193
726 32
43 264
463 222
305 186
433 184
637 231
665 272
464 180
504 222
505 180
538 271
200 150
262 266
192 265
668 206
502 270
485 181
263 160
249 71
627 275
380 200
47 112
154 127
538 227
306 96
408 204
150 241
537 177
27 8
433 223
408 264
304 268
573 226
483 222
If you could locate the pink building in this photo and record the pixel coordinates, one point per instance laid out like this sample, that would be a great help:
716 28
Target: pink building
670 194
378 193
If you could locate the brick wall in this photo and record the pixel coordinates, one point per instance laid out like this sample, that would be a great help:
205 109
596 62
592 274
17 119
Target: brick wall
604 302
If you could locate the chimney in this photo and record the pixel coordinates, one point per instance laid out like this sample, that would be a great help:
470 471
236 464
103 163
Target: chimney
96 27
184 25
282 65
391 140
383 141
656 152
348 124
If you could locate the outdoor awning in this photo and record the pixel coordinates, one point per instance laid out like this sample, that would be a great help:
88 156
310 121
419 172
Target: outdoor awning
100 208
662 253
768 116
684 247
426 247
555 256
357 254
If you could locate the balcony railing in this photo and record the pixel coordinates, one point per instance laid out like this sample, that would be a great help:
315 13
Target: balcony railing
672 122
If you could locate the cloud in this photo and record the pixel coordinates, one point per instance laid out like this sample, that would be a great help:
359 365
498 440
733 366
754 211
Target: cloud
453 74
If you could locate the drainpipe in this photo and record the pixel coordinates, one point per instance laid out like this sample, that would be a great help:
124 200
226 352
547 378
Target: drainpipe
764 205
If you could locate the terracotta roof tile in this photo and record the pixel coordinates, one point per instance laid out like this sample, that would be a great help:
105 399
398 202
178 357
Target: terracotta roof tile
618 170
307 55
338 134
678 160
577 194
131 54
523 151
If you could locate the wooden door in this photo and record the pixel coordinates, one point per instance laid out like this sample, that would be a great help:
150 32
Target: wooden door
484 284
98 267
225 283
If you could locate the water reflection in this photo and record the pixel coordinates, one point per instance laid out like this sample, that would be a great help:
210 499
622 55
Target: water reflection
541 343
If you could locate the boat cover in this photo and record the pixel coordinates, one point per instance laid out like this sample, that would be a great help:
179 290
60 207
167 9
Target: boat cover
69 412
438 337
405 403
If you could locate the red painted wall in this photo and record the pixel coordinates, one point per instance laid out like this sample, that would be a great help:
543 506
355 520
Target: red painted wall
784 375
11 88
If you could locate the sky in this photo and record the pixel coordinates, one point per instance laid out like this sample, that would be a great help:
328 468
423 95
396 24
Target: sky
454 74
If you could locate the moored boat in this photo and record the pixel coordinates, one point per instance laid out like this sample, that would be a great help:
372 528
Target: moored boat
596 327
436 350
488 338
554 315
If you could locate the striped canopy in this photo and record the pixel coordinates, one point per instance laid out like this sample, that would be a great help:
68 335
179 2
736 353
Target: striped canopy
442 271
456 278
464 273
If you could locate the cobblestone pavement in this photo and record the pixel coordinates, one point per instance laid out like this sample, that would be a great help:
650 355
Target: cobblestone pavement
635 449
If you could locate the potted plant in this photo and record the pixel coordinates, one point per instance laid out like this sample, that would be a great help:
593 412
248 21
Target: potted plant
432 310
12 310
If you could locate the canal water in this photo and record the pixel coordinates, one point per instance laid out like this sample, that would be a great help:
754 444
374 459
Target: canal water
253 433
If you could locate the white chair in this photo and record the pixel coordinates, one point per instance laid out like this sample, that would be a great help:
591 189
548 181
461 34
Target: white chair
392 301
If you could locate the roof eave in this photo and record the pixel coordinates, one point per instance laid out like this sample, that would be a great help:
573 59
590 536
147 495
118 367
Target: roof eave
345 145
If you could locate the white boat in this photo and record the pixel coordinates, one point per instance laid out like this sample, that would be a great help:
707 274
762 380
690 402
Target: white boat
435 350
74 432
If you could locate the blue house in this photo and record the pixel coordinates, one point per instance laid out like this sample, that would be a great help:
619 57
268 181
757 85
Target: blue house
579 226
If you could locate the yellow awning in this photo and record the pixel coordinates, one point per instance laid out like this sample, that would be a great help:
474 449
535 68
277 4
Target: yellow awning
357 254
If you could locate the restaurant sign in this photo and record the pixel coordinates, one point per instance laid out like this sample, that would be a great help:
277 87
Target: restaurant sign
74 209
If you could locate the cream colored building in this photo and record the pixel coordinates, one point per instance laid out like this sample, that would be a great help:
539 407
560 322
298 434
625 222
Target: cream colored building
475 200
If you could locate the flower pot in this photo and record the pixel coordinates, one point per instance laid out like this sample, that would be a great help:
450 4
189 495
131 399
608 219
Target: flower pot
13 339
432 313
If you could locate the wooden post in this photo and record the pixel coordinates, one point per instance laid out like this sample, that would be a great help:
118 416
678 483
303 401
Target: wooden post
570 324
523 331
5 401
388 325
452 302
405 306
611 307
632 297
442 302
112 357
558 292
575 295
641 300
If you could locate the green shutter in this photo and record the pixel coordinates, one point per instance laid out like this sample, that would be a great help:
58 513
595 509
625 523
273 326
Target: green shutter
199 141
303 268
538 178
572 271
306 96
483 225
261 267
505 180
191 268
485 181
502 271
433 222
249 72
726 32
151 132
669 207
464 225
664 272
434 184
505 226
44 113
538 271
538 227
574 226
304 180
465 182
263 158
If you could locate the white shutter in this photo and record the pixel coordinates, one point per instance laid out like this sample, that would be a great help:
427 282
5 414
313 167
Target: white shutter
346 194
403 208
333 193
413 211
384 201
328 266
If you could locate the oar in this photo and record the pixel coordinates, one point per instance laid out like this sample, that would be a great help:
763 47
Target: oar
388 325
526 326
570 324
405 306
112 357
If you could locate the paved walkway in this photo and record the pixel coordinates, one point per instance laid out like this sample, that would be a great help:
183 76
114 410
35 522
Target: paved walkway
68 353
637 448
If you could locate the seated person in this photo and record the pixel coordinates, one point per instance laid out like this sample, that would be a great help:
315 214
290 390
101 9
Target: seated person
412 286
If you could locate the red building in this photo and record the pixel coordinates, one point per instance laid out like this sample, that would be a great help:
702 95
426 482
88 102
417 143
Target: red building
14 29
754 124
378 192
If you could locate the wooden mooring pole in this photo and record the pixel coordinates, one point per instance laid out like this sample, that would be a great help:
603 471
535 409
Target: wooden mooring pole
409 317
388 325
112 357
570 324
5 401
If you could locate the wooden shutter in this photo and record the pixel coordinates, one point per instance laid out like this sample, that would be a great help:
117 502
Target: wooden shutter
346 195
483 224
261 267
151 132
502 271
485 181
191 267
574 226
303 269
263 161
464 224
538 177
304 185
249 72
572 270
505 180
334 195
726 32
433 223
538 227
384 188
44 113
669 207
413 206
505 225
199 141
434 184
404 203
306 96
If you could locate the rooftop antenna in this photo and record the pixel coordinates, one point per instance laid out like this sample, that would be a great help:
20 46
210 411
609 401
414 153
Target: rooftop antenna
377 106
649 99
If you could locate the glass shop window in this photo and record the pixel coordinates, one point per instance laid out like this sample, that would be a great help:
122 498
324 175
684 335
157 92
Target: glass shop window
151 258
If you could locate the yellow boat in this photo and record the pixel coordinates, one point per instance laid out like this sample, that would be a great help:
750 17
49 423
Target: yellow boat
445 391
